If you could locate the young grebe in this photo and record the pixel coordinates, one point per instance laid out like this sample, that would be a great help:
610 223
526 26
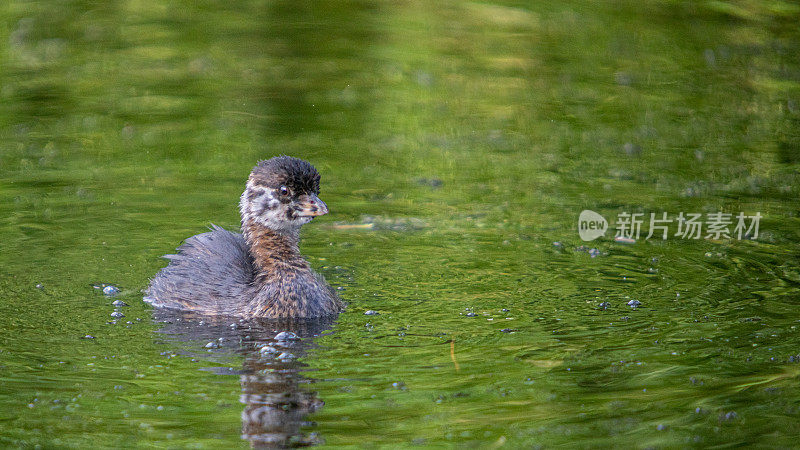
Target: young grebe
259 273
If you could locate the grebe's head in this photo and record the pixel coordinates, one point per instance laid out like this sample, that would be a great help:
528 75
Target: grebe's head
282 194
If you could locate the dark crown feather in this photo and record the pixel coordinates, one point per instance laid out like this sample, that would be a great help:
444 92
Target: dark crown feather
298 175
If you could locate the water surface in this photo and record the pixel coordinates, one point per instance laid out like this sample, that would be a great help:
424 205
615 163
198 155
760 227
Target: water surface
457 143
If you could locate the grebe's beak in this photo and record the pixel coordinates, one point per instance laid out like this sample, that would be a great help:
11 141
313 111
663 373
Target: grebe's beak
312 206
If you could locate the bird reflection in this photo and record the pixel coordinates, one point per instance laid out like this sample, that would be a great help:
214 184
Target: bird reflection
274 393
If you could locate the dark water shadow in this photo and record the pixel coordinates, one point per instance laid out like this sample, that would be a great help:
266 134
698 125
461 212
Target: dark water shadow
321 51
274 392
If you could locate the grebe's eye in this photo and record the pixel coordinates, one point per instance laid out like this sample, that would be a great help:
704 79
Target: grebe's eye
283 190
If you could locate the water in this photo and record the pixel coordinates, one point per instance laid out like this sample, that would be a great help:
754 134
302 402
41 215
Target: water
457 143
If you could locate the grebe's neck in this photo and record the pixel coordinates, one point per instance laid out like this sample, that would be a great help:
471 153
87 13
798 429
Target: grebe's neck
272 250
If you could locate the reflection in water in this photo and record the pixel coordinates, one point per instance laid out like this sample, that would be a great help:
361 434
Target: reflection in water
276 403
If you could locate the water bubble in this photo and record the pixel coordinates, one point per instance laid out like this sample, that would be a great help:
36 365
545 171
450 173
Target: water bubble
285 356
286 336
268 349
110 290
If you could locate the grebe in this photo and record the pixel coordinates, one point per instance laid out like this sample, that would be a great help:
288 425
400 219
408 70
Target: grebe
260 272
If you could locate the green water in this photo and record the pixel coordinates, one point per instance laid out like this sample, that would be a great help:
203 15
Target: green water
457 143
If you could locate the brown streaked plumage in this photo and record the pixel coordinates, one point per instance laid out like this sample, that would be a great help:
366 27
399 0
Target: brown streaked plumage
259 273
